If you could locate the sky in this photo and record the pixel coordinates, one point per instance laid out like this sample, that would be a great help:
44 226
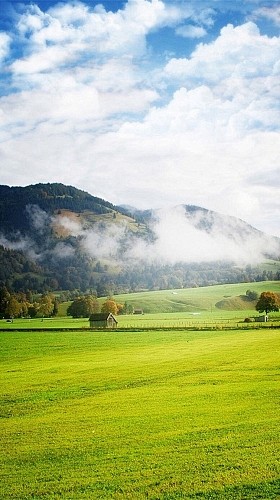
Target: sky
148 103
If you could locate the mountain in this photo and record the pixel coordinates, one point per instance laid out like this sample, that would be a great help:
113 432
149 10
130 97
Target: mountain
15 203
55 237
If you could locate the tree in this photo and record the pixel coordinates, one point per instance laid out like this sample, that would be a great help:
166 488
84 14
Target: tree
13 308
46 305
32 310
127 308
268 302
55 308
251 295
83 307
110 306
4 300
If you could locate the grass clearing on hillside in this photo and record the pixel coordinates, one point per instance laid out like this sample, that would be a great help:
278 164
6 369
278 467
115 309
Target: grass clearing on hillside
162 415
191 300
194 299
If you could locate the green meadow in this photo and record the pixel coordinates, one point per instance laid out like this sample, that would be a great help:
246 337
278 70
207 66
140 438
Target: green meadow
219 306
201 299
140 415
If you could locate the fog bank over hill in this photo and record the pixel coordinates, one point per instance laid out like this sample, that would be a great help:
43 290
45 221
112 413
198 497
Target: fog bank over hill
204 236
178 234
77 238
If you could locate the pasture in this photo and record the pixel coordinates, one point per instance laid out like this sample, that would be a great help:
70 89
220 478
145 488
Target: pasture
219 306
209 299
192 300
140 415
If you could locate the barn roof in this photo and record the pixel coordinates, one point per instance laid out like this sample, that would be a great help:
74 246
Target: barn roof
101 317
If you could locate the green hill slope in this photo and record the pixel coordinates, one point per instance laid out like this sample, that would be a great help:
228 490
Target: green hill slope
226 297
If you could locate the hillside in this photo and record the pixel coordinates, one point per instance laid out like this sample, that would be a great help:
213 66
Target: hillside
56 237
16 203
227 297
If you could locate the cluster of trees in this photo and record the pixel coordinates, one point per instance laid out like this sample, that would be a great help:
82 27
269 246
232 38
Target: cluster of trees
24 305
251 295
83 307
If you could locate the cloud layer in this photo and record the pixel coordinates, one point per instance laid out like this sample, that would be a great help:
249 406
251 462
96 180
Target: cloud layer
88 101
178 237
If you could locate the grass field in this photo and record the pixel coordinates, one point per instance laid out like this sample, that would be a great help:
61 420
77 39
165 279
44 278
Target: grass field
195 321
191 299
144 415
185 308
196 299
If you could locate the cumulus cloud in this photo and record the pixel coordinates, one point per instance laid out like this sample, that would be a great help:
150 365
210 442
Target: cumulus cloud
240 52
69 32
89 99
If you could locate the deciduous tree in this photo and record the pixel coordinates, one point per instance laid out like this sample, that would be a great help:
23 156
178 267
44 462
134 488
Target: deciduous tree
83 307
268 302
46 305
110 306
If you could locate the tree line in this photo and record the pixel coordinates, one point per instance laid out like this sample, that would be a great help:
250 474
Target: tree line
83 307
24 305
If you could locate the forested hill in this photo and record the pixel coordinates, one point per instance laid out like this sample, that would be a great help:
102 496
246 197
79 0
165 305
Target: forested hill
50 198
57 237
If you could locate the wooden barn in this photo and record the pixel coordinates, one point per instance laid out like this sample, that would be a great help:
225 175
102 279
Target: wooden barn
138 311
102 320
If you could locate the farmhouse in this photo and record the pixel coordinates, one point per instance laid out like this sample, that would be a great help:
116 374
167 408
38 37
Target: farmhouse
102 320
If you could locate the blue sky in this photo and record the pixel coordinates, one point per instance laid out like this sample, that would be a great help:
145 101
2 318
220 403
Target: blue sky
149 103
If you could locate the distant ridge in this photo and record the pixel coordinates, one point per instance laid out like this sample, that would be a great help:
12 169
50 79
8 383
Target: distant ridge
57 237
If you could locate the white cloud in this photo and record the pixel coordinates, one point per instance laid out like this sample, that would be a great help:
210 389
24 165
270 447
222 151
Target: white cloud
205 16
75 33
270 13
88 110
4 45
190 31
239 52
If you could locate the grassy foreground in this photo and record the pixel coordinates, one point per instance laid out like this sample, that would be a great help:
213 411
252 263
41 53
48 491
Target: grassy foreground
162 415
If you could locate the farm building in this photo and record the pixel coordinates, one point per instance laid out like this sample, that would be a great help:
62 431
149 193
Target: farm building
261 319
138 311
258 319
102 320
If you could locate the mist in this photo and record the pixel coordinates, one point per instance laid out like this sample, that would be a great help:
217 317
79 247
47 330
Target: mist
177 237
203 237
